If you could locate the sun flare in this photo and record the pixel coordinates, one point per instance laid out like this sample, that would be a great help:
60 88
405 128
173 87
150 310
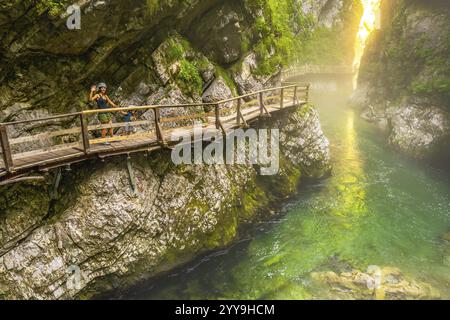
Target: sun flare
369 22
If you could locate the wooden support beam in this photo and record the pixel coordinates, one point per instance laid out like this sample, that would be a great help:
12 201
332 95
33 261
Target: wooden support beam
56 183
159 131
85 134
282 99
134 189
23 179
6 149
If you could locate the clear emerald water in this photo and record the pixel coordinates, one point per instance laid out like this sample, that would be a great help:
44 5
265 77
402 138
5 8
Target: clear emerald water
377 208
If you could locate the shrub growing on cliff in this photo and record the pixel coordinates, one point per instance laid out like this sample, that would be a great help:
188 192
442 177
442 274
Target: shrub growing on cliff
274 33
189 78
54 7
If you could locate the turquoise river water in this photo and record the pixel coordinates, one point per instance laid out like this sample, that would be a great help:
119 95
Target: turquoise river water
377 208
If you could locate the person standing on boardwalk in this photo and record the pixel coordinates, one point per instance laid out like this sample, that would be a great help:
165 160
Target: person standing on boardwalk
129 116
103 102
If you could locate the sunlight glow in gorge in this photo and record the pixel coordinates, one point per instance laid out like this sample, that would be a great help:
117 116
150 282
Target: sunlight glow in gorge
369 22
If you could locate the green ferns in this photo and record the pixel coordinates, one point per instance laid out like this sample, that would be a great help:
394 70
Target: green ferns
285 34
189 78
53 7
276 30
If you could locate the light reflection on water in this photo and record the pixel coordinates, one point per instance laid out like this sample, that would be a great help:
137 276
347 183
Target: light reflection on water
377 209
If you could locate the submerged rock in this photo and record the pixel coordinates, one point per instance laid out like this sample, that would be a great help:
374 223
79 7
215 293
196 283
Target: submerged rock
359 285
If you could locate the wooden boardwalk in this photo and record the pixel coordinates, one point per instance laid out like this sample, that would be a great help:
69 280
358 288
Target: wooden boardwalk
152 133
302 70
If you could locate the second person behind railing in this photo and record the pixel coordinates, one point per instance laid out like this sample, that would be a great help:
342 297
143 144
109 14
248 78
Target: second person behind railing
103 102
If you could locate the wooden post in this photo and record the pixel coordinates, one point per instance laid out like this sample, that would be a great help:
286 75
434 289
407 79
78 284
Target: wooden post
307 93
217 111
295 95
282 99
6 149
261 103
240 115
85 134
239 112
159 132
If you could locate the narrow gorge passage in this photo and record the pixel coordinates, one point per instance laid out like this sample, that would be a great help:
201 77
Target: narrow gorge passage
97 200
377 209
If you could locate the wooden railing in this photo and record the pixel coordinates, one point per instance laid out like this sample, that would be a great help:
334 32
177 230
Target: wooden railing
153 121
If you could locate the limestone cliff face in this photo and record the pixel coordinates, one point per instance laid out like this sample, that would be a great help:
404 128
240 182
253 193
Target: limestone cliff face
149 52
152 50
404 82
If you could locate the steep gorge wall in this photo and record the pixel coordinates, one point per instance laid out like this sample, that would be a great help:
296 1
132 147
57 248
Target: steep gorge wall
404 81
46 68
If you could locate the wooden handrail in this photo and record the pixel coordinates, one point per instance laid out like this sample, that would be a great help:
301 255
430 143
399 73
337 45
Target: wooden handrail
257 92
66 115
148 107
76 130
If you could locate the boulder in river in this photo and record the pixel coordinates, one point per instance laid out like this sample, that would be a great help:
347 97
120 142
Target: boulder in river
420 132
393 285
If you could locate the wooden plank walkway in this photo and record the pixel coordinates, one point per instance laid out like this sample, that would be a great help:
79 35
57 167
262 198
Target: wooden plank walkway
14 166
302 70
